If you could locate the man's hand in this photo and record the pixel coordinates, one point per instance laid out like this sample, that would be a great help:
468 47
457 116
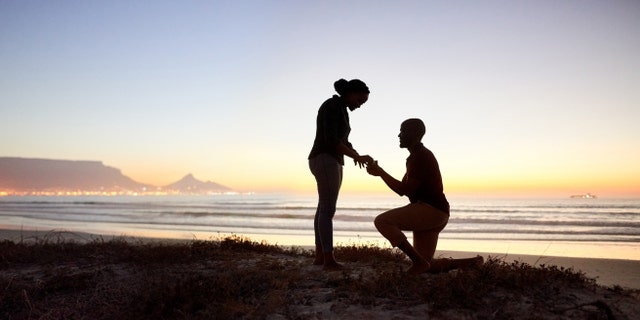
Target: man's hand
374 169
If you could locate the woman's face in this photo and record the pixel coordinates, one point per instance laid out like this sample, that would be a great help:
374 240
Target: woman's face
356 99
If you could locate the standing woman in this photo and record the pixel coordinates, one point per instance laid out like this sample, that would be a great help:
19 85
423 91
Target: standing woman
326 159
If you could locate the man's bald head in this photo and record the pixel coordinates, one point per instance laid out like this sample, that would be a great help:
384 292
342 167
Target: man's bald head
411 133
414 126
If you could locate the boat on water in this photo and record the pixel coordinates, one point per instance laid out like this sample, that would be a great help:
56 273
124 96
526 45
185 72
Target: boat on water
583 196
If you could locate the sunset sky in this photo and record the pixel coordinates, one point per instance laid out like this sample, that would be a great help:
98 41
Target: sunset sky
519 97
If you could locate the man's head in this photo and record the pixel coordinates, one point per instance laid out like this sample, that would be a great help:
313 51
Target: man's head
411 132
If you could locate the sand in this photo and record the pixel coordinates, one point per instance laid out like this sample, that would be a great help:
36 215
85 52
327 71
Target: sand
78 284
607 272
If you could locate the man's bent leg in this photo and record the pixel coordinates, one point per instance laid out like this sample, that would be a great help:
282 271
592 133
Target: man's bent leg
391 223
420 264
426 232
425 242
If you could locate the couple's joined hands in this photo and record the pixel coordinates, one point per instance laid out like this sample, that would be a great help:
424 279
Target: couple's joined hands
367 161
362 161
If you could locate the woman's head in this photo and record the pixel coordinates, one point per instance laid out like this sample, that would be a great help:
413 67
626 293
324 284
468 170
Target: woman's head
354 92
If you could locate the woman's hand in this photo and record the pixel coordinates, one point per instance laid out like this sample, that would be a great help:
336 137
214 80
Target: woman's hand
362 160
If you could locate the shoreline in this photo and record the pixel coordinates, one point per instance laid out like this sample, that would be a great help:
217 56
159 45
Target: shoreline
607 272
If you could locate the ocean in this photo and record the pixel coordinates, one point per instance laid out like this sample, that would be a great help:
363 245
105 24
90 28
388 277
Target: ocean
594 228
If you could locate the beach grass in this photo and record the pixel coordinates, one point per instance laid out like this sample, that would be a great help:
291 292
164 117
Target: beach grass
236 278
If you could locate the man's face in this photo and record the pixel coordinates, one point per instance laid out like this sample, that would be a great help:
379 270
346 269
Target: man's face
405 136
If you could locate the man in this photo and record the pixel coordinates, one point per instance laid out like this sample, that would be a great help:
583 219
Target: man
428 211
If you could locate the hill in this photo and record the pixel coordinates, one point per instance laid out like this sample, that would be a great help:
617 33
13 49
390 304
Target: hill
189 184
27 175
24 174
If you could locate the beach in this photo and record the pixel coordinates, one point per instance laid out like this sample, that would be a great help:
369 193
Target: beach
75 275
249 256
606 272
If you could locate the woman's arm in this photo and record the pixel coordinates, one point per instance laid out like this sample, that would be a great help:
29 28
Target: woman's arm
357 158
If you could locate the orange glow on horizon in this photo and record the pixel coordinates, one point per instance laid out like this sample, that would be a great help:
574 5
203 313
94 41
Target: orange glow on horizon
506 182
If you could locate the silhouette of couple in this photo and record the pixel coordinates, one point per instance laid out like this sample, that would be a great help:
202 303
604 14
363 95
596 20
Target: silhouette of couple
428 211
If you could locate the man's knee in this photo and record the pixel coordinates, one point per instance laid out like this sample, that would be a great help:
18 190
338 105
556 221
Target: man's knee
379 222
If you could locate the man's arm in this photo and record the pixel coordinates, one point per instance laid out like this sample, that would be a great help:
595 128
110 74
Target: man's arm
399 187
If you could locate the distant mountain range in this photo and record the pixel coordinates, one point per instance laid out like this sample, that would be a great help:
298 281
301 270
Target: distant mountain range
189 184
40 175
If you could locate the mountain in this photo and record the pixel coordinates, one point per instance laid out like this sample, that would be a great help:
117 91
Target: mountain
189 184
24 174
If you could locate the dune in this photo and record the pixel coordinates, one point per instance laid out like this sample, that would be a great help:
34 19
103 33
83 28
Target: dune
71 275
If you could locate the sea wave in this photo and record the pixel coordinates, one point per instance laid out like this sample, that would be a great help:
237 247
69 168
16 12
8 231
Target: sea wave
504 219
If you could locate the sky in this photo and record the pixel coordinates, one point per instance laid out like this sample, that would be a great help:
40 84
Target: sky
519 97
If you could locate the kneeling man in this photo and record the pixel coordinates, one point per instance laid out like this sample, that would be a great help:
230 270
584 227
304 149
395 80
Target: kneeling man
428 211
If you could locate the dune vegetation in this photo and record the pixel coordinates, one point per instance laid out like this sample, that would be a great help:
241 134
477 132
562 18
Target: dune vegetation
236 278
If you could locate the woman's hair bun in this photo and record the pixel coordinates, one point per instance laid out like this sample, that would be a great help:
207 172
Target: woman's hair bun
343 86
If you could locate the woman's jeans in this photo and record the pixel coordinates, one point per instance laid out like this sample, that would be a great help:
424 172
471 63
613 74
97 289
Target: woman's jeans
328 173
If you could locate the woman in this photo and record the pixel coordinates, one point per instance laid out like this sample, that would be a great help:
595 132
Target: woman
326 159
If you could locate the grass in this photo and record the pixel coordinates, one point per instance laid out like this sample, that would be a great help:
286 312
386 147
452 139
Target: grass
235 277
